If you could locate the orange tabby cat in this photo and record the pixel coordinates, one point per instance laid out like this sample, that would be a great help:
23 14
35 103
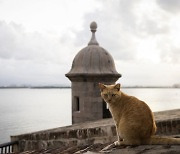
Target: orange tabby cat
134 120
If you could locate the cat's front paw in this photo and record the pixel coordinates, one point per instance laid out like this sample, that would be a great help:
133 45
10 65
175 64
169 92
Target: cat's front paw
117 143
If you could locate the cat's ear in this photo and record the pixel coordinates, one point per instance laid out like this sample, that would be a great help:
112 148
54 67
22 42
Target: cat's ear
117 86
102 86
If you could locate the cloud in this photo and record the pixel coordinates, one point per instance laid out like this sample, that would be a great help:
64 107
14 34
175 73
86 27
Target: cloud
115 28
136 34
172 6
124 25
144 73
140 36
15 43
32 57
28 72
120 28
171 55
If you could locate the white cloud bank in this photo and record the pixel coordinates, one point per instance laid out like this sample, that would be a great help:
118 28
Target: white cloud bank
39 40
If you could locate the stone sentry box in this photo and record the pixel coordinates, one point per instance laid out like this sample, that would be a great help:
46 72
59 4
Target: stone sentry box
91 65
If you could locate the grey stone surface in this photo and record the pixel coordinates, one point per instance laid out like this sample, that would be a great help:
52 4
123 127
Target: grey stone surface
97 149
146 149
87 134
93 60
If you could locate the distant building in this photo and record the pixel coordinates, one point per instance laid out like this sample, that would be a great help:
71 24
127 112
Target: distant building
176 85
91 65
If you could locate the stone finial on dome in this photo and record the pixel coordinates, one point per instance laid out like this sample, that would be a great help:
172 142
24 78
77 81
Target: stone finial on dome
93 27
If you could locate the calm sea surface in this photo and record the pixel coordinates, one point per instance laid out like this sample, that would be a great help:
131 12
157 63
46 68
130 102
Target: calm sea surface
29 110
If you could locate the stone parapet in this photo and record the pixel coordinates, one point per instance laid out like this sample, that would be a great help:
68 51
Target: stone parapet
89 133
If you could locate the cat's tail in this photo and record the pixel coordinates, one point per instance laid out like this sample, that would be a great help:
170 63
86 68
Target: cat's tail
158 140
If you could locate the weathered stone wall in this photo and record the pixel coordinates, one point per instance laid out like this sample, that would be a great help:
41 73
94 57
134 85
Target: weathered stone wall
102 131
90 102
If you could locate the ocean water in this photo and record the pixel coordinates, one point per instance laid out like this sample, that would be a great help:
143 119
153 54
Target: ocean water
28 110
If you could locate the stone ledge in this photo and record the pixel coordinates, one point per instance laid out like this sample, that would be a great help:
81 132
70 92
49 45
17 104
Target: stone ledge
145 149
64 132
97 149
90 133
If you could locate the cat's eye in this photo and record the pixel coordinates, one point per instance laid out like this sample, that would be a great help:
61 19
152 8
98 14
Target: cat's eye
113 95
105 95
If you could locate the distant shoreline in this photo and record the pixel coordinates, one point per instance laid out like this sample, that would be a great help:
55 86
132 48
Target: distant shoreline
68 87
33 87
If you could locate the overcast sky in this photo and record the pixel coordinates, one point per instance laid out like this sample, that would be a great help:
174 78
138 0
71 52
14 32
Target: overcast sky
39 39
